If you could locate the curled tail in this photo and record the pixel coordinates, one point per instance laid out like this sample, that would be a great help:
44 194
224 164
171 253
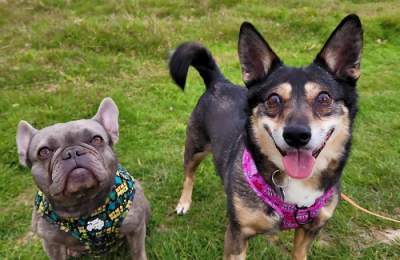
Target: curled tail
200 58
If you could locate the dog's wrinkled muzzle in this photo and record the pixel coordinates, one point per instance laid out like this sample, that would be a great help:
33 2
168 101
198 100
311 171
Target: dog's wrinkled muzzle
77 171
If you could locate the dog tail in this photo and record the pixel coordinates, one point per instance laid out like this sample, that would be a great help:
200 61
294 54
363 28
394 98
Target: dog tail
200 58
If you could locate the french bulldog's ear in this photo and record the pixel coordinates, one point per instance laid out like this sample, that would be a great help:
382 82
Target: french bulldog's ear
256 57
107 115
25 132
341 54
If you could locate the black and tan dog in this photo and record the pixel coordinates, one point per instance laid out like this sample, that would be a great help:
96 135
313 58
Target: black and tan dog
295 123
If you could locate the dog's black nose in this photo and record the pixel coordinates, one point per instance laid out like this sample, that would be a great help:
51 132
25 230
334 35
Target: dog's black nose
297 136
72 152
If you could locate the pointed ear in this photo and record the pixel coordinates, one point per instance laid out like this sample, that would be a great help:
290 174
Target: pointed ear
341 54
25 132
107 116
257 59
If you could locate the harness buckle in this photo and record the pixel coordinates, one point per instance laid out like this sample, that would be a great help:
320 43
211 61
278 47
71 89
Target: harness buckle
302 216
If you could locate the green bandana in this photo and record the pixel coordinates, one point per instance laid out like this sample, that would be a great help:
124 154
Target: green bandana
100 230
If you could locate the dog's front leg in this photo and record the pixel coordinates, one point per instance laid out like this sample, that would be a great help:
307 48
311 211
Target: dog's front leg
136 243
235 245
55 251
302 241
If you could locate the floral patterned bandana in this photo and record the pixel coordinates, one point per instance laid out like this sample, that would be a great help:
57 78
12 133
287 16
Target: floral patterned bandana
99 231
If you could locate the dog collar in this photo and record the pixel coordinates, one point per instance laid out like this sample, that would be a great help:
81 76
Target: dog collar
292 216
99 232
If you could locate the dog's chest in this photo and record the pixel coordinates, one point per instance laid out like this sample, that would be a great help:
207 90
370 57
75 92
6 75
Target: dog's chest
301 194
98 232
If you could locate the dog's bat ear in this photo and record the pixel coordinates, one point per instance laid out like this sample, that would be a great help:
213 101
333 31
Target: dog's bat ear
107 116
341 54
256 57
25 132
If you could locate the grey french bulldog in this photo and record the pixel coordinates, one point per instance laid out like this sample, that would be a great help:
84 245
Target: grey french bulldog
87 203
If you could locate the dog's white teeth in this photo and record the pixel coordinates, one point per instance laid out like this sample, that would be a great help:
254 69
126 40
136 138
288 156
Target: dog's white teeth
182 208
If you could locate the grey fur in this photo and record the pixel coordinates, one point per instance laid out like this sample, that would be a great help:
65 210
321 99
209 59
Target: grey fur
93 165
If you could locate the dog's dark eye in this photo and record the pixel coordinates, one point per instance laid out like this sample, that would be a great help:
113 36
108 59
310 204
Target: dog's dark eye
323 104
324 99
273 104
96 140
44 153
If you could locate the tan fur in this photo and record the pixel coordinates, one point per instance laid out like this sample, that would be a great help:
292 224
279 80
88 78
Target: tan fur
312 89
252 221
329 156
354 72
303 239
235 249
241 256
189 172
326 212
302 242
263 139
284 90
335 146
266 60
330 58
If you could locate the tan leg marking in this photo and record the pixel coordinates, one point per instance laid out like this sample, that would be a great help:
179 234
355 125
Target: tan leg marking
235 248
327 212
304 239
189 172
240 256
252 221
302 243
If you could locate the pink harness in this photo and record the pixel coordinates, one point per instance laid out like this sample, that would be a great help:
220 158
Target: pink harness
292 215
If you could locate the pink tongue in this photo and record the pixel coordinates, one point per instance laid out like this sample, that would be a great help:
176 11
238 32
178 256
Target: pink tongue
299 164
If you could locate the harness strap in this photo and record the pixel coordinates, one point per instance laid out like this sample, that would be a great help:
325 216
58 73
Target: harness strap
292 215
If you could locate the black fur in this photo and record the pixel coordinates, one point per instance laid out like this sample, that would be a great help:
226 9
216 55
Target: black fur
197 56
221 118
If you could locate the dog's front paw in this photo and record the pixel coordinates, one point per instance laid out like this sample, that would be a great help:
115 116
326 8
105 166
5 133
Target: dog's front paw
182 208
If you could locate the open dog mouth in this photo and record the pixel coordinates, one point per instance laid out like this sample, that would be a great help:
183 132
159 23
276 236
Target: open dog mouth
299 163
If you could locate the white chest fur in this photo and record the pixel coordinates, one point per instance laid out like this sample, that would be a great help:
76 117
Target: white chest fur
297 192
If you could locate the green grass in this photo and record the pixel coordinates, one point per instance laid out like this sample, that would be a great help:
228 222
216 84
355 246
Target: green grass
58 59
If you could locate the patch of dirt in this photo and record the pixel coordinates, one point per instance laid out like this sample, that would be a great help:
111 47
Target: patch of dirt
26 238
277 242
163 228
25 198
387 236
51 88
373 236
324 239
